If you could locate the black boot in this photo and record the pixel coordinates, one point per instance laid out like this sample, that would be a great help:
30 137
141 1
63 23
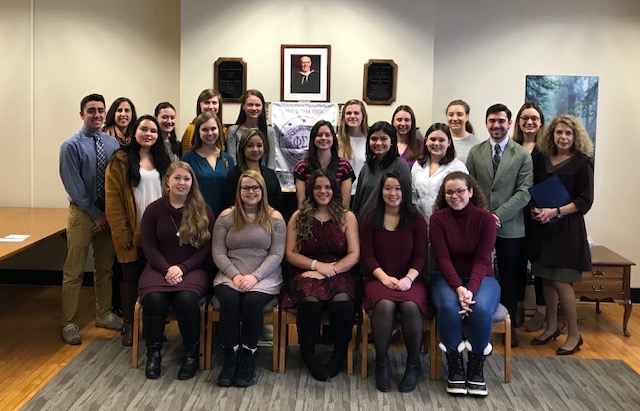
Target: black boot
227 375
308 323
342 316
476 384
383 373
154 329
456 382
191 361
128 295
412 371
246 375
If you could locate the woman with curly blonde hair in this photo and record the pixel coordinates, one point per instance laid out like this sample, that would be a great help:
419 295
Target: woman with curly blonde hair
557 241
176 239
322 248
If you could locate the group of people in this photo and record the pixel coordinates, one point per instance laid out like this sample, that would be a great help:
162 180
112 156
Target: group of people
415 233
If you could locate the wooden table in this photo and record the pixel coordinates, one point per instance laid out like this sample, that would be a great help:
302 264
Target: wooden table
610 278
38 223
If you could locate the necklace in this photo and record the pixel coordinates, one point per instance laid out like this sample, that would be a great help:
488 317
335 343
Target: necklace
174 224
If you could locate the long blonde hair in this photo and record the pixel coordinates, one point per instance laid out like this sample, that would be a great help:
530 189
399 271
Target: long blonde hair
263 214
194 227
344 142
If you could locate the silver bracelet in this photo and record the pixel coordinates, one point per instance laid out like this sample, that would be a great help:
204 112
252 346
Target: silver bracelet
313 265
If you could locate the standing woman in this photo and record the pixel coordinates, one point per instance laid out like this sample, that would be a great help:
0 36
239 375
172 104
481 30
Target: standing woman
529 125
166 115
120 118
463 234
252 115
409 147
208 100
559 252
322 248
176 237
394 245
461 129
248 247
133 180
352 135
323 154
382 157
250 152
208 160
437 161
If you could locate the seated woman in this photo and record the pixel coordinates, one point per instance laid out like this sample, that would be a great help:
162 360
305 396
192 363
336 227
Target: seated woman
176 239
323 154
462 285
250 153
322 246
248 247
394 246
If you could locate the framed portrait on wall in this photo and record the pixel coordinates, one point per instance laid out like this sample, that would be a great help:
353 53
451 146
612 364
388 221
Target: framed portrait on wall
305 72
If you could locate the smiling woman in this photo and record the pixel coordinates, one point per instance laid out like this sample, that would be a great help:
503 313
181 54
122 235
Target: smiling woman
119 120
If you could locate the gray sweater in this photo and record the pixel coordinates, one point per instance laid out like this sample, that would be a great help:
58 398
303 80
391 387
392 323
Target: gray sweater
249 251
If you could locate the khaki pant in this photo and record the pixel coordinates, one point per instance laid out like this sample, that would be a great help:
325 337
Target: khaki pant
79 236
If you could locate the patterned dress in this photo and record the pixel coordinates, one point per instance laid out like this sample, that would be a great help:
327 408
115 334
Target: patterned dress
327 244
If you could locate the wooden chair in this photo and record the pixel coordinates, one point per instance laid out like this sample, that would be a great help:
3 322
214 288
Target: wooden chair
271 316
429 326
137 331
289 337
501 325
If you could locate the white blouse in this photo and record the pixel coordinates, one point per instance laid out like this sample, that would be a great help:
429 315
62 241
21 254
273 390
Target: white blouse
148 190
424 188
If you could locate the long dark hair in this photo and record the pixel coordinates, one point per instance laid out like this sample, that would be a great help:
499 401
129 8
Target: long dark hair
451 151
110 119
176 148
413 149
159 155
262 119
407 211
244 140
311 159
391 155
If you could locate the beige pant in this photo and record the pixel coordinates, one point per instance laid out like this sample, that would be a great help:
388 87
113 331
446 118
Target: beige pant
79 236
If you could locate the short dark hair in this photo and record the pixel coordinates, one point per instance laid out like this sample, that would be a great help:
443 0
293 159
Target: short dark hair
496 108
451 151
91 97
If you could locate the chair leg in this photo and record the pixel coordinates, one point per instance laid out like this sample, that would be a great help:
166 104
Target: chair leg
507 350
283 340
276 339
136 335
364 345
203 338
433 350
352 348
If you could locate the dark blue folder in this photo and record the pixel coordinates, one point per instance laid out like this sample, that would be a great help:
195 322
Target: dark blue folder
550 193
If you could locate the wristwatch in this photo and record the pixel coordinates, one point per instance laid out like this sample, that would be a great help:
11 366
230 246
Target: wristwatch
559 213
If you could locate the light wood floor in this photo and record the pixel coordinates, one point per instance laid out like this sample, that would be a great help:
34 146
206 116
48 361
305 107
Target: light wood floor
32 351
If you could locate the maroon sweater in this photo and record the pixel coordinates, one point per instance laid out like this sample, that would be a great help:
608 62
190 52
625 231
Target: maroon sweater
462 243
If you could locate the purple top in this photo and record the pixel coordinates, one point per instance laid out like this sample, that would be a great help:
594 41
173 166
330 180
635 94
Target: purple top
160 223
404 155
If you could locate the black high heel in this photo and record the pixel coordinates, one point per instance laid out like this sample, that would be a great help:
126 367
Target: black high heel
562 351
538 341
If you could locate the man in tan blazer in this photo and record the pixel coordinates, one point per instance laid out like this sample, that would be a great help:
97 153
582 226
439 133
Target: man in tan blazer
504 170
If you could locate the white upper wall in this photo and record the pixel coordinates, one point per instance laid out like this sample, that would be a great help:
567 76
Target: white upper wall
357 31
484 50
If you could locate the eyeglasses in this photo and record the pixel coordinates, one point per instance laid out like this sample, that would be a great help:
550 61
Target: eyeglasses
459 192
525 119
255 189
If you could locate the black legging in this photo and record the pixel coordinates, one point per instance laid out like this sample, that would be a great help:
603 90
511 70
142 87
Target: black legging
238 308
186 306
382 326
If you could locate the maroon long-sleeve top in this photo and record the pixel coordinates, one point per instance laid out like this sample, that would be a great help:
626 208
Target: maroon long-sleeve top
462 242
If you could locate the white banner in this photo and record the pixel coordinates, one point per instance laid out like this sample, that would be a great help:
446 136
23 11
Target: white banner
292 123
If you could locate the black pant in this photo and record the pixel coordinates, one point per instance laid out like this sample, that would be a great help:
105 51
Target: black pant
509 253
241 315
187 309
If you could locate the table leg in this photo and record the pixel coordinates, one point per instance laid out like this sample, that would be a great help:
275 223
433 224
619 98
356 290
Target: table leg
627 314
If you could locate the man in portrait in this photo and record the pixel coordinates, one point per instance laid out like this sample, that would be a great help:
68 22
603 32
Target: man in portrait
306 80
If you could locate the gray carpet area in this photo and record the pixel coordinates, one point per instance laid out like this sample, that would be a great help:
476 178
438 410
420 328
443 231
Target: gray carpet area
101 378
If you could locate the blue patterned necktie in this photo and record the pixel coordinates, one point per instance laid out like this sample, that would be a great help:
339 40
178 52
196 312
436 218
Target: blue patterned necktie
496 158
101 165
